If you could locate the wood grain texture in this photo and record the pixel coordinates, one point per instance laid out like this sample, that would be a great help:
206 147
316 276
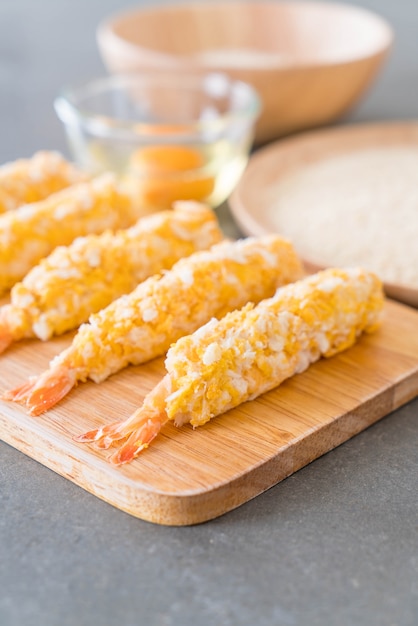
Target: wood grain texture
189 476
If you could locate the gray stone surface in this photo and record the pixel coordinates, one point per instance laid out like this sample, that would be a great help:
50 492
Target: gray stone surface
334 544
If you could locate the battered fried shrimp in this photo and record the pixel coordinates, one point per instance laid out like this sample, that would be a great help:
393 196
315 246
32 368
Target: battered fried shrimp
30 180
250 352
32 231
76 280
143 324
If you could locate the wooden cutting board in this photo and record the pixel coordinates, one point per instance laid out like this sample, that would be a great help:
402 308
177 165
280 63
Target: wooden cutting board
189 476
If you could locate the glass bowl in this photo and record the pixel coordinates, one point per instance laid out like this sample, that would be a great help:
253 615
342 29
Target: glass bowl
170 137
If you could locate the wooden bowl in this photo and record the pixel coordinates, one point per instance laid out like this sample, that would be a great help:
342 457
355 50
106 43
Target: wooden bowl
310 62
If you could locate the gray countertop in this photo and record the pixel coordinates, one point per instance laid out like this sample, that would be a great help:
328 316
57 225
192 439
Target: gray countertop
334 544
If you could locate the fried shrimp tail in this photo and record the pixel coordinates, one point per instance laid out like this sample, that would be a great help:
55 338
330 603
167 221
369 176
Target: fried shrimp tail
141 427
142 325
251 351
20 393
43 392
139 440
105 436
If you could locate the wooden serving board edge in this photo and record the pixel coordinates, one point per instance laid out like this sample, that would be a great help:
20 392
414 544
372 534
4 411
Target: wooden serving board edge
91 473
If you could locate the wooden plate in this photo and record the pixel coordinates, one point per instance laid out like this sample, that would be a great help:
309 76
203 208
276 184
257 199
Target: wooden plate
189 476
271 167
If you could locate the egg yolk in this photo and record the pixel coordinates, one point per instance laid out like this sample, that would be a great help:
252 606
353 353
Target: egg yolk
168 173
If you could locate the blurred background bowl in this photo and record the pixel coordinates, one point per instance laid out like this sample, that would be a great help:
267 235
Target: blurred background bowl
170 137
310 62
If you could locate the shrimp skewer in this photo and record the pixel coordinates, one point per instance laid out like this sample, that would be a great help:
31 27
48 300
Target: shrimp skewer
143 324
74 281
31 232
250 352
30 180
